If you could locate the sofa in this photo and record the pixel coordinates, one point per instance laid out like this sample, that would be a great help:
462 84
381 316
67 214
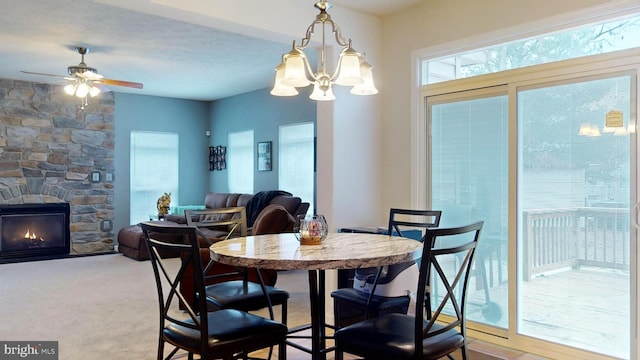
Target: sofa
131 241
254 205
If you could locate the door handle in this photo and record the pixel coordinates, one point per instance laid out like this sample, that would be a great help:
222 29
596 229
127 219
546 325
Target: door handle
634 215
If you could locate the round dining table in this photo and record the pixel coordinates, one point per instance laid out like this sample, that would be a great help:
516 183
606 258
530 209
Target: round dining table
337 251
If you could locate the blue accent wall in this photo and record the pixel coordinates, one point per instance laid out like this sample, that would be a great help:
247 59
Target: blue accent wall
187 118
262 112
190 119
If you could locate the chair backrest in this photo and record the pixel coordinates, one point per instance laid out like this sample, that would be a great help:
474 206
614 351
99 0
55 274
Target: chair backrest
401 220
233 218
273 219
168 276
447 259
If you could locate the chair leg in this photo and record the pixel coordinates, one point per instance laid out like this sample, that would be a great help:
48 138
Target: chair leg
284 312
160 349
463 351
339 355
282 351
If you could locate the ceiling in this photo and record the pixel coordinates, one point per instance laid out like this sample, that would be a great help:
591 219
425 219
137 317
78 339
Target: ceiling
172 58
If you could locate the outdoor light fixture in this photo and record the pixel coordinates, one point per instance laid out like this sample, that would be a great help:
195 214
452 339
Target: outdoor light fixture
613 124
295 70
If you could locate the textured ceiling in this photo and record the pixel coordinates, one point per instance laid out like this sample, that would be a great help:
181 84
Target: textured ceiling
172 58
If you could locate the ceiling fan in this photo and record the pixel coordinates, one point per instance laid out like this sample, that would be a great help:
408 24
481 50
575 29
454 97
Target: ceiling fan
85 80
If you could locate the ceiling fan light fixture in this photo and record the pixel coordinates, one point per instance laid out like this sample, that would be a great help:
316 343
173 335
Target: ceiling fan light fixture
94 91
297 70
82 90
85 80
70 89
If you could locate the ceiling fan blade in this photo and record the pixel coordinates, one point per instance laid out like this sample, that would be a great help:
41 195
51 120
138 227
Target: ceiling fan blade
121 83
37 73
100 86
90 75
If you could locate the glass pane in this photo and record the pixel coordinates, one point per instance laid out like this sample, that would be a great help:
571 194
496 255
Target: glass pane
469 182
154 171
573 192
296 160
598 38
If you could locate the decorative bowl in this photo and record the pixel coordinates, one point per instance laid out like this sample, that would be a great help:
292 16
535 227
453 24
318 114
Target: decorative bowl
311 230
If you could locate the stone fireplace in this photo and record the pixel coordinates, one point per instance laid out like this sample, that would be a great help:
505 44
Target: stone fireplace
53 152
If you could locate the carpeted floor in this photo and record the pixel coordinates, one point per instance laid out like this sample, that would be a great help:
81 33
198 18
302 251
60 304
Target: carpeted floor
104 307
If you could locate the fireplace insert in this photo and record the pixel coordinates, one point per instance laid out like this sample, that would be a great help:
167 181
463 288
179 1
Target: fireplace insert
31 231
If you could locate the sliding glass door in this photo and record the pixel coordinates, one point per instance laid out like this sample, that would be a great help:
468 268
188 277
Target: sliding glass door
574 181
550 167
469 182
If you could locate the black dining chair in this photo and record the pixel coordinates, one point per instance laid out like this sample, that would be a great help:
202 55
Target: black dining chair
224 334
438 328
233 288
363 301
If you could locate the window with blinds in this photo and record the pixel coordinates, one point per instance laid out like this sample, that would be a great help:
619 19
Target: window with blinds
296 161
153 172
240 162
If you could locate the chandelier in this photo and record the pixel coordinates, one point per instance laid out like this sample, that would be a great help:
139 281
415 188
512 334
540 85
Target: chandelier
351 70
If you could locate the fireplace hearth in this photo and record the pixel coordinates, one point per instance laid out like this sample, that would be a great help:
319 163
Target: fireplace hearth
34 231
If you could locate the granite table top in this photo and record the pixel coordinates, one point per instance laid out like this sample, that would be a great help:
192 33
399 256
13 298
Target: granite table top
337 251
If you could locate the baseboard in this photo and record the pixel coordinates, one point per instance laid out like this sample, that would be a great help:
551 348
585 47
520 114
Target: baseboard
52 257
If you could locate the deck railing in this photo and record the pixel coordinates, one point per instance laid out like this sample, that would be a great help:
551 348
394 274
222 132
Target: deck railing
558 238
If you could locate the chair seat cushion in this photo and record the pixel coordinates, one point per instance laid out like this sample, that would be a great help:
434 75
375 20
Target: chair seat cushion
391 336
233 294
228 332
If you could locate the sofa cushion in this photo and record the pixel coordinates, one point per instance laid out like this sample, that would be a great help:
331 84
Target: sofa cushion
273 219
215 200
243 199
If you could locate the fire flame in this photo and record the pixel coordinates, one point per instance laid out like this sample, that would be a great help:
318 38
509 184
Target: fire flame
32 235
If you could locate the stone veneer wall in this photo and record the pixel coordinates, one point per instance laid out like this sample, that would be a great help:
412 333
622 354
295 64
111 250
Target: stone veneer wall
49 148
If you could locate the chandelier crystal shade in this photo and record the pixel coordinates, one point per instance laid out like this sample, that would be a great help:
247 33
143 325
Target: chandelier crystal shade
295 71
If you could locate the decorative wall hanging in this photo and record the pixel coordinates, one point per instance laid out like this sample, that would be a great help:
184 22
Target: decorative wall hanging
217 157
264 156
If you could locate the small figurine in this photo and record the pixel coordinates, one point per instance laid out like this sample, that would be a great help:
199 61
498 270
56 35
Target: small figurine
163 205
